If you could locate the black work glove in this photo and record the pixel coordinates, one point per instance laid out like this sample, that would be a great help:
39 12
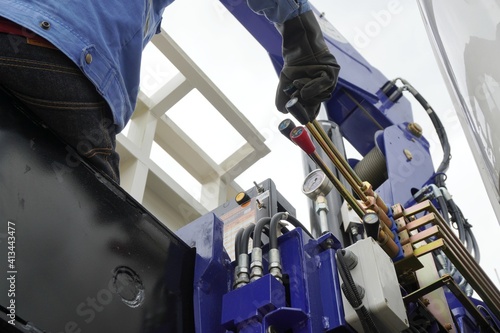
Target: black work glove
310 71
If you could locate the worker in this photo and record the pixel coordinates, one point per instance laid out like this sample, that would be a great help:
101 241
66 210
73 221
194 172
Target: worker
75 64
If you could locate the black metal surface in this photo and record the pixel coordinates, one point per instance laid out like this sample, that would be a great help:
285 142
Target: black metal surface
88 257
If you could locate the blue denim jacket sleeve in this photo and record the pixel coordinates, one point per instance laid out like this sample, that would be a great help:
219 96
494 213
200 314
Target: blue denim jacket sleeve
278 11
105 39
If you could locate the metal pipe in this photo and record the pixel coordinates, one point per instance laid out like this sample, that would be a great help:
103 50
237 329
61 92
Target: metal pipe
461 258
337 154
331 151
336 161
300 137
321 210
356 206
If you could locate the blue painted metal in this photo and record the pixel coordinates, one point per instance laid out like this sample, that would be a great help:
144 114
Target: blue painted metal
464 320
403 173
358 106
244 308
310 299
212 276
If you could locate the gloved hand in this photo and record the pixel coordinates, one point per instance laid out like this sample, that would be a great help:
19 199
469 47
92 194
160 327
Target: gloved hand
310 71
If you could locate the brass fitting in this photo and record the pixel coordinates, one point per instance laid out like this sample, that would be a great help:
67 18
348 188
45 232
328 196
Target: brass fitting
367 188
415 129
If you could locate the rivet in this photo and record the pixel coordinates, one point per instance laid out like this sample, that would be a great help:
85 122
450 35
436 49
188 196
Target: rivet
45 25
88 58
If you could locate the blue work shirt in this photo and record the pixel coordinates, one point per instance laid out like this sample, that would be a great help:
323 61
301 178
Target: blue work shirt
106 38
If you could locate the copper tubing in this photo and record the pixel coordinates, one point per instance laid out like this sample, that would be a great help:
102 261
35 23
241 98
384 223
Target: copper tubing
457 253
387 244
368 190
338 161
338 185
461 258
337 154
458 248
360 188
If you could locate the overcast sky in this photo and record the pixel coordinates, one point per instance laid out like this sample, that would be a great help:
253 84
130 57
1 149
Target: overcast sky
396 44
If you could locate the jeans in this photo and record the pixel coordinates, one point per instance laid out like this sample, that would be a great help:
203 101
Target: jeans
54 89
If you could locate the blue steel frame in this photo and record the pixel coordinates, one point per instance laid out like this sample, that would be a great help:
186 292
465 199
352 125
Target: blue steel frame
366 117
308 301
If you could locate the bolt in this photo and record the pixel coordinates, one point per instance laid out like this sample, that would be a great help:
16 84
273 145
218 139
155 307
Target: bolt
448 327
415 129
408 154
426 301
260 205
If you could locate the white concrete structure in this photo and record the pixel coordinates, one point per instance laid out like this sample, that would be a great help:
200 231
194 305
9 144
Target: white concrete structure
152 132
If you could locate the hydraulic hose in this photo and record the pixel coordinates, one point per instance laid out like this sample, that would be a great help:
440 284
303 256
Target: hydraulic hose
259 227
257 266
245 238
297 224
237 241
444 209
273 229
440 130
273 233
242 269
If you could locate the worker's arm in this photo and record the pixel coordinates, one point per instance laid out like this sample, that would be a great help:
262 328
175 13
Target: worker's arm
278 11
310 71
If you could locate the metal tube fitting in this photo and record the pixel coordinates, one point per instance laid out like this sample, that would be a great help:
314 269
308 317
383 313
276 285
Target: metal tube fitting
242 276
256 267
275 264
322 210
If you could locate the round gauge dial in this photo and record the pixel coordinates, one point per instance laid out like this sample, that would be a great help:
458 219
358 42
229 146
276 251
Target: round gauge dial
370 218
316 183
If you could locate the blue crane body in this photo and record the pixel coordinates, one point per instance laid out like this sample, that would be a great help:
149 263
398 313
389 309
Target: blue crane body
118 269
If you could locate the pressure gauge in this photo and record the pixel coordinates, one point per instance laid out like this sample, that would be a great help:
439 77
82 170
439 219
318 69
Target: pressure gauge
316 183
371 223
371 218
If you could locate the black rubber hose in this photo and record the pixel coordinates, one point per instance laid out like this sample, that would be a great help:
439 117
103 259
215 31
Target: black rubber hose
273 233
445 144
259 227
475 247
237 241
273 229
441 132
467 227
296 223
468 242
444 209
459 220
245 238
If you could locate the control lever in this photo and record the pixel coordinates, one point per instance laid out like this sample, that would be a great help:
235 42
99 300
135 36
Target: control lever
371 201
302 139
362 189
